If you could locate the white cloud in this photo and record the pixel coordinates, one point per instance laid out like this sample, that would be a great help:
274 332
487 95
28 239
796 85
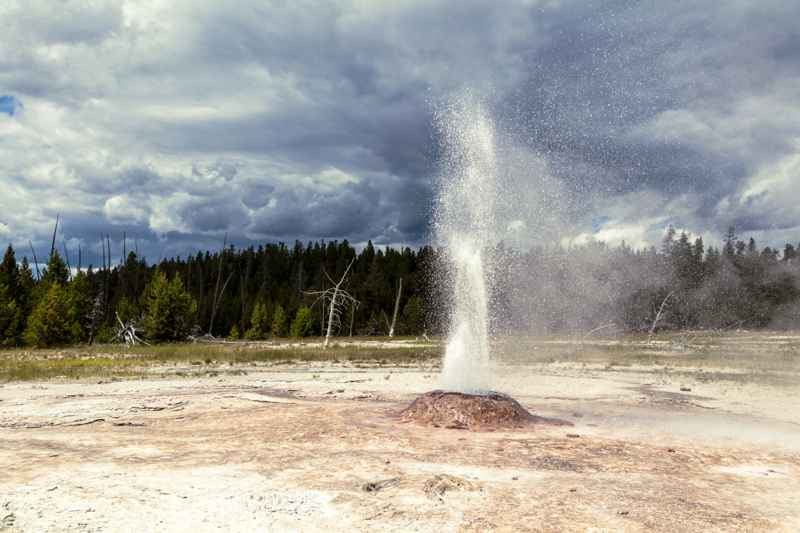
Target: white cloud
770 196
122 208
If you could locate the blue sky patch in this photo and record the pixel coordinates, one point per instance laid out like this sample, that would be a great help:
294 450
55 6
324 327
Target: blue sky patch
9 105
599 222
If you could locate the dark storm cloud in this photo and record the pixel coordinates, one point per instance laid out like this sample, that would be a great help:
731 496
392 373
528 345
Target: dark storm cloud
182 121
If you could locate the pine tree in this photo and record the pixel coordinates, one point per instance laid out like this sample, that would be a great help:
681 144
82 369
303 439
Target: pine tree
789 252
234 333
128 310
169 311
81 299
25 289
9 318
303 323
12 313
259 322
9 274
668 241
730 242
52 321
414 315
56 271
698 253
279 322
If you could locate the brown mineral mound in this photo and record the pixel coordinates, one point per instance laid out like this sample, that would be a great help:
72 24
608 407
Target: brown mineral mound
475 412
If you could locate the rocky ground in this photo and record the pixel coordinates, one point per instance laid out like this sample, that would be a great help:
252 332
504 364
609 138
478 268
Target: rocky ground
320 447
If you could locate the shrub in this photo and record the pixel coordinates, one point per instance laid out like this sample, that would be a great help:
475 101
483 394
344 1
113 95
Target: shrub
414 316
259 323
9 318
302 325
279 321
169 311
52 321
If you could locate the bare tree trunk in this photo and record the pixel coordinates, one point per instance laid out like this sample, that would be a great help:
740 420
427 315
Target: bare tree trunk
386 319
322 316
396 307
66 260
35 261
352 317
108 243
224 285
107 276
658 315
330 315
333 309
216 288
53 243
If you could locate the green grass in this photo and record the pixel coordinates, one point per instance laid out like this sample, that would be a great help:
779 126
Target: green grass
119 361
70 368
749 355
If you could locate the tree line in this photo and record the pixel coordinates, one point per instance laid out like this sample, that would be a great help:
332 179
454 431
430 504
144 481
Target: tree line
683 284
253 293
271 291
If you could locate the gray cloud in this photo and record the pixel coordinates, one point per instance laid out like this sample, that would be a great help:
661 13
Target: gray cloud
181 121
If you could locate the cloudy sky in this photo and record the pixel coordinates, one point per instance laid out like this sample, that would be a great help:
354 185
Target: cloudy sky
178 121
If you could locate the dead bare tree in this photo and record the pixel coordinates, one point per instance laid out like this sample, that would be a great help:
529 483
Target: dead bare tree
658 315
595 330
35 261
127 332
217 295
396 307
66 259
53 243
216 303
386 320
107 272
337 299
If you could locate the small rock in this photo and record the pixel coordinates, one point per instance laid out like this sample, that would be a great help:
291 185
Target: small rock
375 486
573 436
686 389
8 521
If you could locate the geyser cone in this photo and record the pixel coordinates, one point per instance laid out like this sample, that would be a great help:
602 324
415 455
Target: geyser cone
475 412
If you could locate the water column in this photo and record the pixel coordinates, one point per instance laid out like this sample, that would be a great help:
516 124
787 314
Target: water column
464 220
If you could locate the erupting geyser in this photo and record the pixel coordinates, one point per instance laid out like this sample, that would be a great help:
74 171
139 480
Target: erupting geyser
464 221
465 224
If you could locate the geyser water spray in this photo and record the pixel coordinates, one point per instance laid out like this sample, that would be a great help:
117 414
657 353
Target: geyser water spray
464 221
